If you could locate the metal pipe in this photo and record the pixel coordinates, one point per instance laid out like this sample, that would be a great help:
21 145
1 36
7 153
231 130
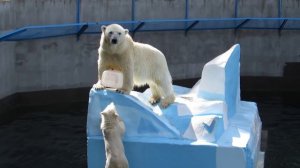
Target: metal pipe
81 30
14 33
78 11
241 24
132 9
236 7
283 24
141 24
186 9
191 26
279 8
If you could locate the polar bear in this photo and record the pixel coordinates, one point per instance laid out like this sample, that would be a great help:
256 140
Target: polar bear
113 128
140 64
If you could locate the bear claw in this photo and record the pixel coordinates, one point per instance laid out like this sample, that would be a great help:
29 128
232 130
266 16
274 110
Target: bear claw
98 86
122 91
165 104
153 100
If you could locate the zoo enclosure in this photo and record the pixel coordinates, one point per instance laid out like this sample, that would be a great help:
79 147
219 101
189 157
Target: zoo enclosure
185 24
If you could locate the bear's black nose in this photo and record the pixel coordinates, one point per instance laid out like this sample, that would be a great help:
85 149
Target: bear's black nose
114 41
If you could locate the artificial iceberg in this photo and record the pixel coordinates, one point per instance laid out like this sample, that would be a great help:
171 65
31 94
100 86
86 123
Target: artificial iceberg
208 125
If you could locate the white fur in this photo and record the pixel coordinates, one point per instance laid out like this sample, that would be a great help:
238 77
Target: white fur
113 129
140 63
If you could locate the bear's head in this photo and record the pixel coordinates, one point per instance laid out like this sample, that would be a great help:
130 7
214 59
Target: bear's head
111 119
114 33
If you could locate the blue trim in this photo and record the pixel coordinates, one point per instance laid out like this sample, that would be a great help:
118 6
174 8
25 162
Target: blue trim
141 24
241 24
160 30
236 8
283 24
153 25
187 9
291 28
129 22
132 10
279 8
81 30
16 32
42 37
55 26
191 26
78 6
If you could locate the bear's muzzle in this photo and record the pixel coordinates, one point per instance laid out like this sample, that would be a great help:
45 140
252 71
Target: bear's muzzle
114 41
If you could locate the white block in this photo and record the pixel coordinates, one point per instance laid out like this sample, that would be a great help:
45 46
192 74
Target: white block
112 79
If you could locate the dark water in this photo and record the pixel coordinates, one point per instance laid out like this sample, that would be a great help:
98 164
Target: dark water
54 136
280 115
45 137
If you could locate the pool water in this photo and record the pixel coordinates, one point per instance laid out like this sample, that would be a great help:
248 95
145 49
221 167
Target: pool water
54 136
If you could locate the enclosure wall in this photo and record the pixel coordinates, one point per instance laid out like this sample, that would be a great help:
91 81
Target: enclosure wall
7 69
64 62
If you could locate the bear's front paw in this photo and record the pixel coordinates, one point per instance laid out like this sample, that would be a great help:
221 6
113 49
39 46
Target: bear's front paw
98 86
122 91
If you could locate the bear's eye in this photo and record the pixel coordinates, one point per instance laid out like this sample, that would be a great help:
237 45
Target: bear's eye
119 33
110 33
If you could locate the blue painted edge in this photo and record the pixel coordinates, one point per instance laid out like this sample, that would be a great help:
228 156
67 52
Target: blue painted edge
160 26
78 8
279 8
236 8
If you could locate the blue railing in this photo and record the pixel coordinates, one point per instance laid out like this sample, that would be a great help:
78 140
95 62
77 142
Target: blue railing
36 32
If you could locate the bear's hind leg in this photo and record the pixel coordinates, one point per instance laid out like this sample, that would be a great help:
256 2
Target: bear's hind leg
167 93
155 97
166 101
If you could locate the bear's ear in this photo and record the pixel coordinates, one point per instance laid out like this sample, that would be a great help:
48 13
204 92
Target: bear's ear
103 28
126 31
103 113
116 115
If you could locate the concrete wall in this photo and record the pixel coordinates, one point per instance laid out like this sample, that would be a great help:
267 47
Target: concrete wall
290 8
55 63
258 8
63 62
105 10
7 69
211 8
20 13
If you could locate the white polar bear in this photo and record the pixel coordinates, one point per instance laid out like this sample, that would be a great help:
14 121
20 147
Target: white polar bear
140 64
113 129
